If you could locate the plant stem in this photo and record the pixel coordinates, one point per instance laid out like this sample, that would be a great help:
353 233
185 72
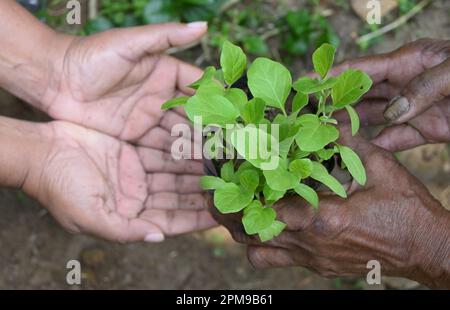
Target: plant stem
397 23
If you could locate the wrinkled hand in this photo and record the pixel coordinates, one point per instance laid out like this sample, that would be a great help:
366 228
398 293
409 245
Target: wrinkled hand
116 81
411 92
96 184
393 219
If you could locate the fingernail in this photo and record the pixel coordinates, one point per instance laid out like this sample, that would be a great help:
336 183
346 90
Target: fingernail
396 108
198 25
154 237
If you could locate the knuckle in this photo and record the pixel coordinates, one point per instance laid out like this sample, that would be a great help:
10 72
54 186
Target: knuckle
256 259
329 225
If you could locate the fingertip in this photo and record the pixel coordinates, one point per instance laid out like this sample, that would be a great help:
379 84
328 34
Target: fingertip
199 25
154 237
397 109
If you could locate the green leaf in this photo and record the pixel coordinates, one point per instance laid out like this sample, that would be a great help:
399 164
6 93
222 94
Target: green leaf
280 179
326 119
257 218
302 168
313 135
354 119
209 88
351 85
253 111
271 196
323 59
353 163
270 81
285 146
213 109
321 174
233 62
175 102
218 75
227 171
272 231
208 75
307 85
308 194
230 198
210 182
299 154
243 167
255 145
299 102
249 179
237 97
325 154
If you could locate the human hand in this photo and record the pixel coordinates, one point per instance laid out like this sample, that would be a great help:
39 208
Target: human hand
393 219
411 92
116 81
96 184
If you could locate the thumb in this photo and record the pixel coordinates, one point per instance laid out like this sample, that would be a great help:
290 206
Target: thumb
420 94
158 38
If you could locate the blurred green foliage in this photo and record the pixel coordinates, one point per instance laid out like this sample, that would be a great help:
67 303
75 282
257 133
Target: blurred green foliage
306 30
405 6
250 24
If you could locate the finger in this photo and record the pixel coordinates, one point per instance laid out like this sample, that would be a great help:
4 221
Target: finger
376 66
175 201
175 183
175 222
370 112
357 143
399 138
160 139
163 162
295 212
373 159
262 257
174 122
135 42
383 90
171 119
115 227
420 94
186 75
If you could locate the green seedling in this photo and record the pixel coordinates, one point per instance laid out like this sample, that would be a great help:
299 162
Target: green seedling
305 140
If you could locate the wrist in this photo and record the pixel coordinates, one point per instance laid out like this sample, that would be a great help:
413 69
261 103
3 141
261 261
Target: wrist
30 53
24 150
430 248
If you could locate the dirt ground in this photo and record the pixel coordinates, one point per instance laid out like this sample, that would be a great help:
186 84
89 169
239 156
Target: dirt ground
35 250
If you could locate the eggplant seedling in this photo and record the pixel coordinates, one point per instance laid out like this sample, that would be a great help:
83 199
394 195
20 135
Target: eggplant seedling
305 141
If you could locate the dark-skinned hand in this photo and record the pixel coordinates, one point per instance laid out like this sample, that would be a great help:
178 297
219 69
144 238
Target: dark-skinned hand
411 94
393 219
